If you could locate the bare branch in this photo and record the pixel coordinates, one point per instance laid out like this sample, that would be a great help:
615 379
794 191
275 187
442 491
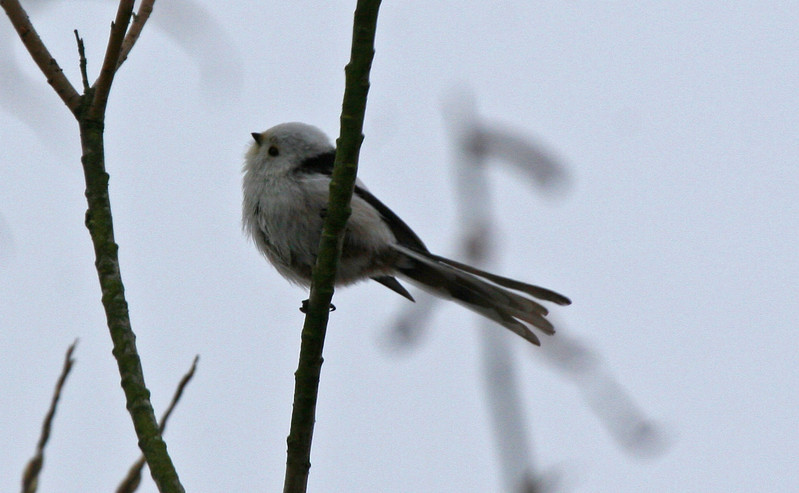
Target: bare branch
89 111
100 224
30 478
101 228
41 55
102 86
133 479
139 19
178 393
306 384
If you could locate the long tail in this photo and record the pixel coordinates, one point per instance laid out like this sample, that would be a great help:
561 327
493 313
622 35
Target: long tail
489 295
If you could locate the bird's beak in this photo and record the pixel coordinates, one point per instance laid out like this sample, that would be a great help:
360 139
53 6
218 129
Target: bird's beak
257 137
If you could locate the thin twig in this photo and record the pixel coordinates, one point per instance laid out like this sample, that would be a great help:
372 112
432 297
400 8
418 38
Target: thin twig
82 55
178 393
132 480
30 478
102 86
139 19
41 55
306 386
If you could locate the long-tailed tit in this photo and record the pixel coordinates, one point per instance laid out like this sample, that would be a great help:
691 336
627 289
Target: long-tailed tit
286 180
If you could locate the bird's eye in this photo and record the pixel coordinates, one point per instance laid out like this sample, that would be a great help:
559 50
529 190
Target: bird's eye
273 151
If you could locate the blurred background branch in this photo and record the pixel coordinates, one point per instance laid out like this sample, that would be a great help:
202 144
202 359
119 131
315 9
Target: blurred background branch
478 145
186 23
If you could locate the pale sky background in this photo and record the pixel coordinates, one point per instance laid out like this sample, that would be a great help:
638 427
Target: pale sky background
676 242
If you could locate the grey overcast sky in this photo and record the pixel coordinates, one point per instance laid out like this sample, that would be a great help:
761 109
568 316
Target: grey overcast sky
676 241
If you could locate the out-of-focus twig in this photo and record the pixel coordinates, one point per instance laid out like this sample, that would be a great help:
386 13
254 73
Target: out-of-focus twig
509 422
409 324
627 424
30 478
207 42
185 22
521 152
478 143
133 478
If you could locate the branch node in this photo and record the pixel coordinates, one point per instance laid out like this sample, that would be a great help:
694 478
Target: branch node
132 480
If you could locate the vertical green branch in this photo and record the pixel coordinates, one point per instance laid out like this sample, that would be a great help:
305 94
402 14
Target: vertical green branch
306 385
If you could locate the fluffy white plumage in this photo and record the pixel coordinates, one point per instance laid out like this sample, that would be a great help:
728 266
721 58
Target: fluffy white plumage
286 181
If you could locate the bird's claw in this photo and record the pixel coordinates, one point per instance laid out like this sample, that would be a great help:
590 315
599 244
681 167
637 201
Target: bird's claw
304 307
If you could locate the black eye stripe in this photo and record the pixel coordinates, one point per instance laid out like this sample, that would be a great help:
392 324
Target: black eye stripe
273 151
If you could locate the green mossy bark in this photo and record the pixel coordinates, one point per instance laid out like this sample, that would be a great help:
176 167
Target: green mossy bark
89 111
306 388
100 224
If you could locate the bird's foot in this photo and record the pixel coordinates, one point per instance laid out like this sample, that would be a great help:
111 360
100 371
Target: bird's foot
304 307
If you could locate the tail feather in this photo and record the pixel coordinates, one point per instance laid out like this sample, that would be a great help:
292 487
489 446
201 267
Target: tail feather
393 284
537 291
473 288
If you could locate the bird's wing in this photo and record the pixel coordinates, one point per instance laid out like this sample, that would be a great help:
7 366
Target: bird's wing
323 164
402 232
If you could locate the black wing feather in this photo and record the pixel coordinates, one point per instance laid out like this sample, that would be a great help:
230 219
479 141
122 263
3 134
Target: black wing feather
322 164
402 232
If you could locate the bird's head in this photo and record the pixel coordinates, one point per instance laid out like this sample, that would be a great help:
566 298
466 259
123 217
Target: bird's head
283 148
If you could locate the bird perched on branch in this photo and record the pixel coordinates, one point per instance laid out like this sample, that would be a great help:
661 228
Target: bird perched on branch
286 181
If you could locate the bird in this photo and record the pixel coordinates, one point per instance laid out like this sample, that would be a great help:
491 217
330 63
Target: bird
286 177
